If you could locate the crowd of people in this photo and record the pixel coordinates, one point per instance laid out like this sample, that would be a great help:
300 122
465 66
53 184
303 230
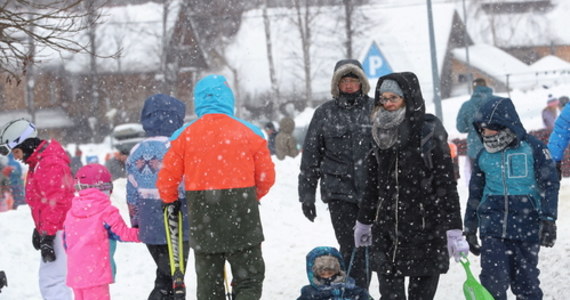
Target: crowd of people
383 165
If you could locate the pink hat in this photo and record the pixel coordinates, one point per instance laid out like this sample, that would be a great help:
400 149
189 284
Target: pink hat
552 101
93 176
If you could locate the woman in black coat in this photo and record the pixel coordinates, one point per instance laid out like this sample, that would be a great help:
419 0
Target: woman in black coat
411 201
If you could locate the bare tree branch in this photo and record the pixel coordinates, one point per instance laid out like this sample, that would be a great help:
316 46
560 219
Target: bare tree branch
48 24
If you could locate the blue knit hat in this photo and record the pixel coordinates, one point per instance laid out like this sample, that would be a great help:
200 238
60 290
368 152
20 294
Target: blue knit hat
392 86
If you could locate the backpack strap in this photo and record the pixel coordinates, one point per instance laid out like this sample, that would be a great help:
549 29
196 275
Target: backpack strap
428 144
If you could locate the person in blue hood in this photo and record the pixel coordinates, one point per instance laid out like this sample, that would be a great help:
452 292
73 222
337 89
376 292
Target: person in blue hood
328 278
513 198
161 116
468 112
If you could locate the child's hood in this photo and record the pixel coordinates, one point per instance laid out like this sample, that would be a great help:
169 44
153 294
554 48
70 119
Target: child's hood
320 251
501 112
89 202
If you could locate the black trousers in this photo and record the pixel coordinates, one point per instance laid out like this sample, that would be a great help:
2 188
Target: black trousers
419 287
343 218
163 281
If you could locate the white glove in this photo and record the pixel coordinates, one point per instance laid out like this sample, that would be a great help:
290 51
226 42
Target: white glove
362 235
457 245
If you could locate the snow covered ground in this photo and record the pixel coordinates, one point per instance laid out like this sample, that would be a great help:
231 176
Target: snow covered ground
288 235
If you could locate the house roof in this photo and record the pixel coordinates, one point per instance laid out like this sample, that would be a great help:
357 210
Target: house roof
45 118
401 34
503 67
132 31
531 28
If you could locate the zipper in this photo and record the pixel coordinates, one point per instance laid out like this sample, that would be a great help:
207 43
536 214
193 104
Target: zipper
396 209
423 214
505 193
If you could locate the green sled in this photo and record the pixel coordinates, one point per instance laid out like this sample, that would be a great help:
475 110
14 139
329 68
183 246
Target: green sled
472 289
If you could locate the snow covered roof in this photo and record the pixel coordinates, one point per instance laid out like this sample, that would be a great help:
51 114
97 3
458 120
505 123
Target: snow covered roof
135 30
401 33
45 118
532 28
503 67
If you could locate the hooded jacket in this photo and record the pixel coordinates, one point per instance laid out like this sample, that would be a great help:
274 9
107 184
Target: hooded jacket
467 113
285 142
410 204
560 135
161 116
92 228
226 167
49 186
513 189
336 143
345 289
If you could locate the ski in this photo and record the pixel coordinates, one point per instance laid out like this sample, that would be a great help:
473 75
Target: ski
174 239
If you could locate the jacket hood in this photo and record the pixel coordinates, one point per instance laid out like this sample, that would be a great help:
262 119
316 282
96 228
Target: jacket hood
162 115
499 112
48 148
410 129
344 67
212 95
90 202
286 125
320 251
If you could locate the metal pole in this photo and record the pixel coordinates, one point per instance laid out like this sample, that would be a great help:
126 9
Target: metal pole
434 66
465 35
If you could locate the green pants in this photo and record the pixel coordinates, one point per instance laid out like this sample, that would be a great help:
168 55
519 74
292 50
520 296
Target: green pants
248 272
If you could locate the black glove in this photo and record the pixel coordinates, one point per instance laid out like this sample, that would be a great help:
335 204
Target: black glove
36 239
46 246
309 211
547 233
473 244
172 207
3 280
559 169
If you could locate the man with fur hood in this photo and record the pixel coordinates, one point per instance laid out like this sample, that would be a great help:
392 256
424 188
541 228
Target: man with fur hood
328 279
336 144
410 210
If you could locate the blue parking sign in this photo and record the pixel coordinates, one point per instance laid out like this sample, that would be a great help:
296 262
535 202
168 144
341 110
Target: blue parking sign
374 63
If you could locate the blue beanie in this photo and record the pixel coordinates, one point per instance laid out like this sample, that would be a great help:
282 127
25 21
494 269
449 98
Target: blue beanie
392 86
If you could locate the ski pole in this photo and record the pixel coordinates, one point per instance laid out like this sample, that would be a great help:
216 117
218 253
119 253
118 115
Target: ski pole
228 289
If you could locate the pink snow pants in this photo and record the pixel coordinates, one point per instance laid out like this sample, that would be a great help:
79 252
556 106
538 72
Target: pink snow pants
100 292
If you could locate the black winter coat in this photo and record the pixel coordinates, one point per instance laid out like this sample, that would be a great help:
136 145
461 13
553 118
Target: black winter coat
336 144
411 205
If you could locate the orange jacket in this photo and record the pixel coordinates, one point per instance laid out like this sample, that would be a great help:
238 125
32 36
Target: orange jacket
217 151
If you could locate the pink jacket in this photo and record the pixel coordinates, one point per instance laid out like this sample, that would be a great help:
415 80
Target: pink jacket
91 230
49 186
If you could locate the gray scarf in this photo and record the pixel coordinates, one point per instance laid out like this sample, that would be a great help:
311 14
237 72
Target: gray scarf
497 142
385 126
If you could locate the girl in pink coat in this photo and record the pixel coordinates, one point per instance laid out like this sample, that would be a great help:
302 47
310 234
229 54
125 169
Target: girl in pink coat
91 230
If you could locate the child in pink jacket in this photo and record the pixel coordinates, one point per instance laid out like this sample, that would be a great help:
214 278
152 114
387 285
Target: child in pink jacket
91 230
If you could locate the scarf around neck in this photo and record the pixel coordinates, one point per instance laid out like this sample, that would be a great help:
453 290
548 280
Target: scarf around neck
385 126
497 142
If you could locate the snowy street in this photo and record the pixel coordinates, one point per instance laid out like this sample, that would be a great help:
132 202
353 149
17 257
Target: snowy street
288 238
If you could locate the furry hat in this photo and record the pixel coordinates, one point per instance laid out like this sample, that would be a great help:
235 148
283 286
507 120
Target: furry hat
392 86
350 68
324 263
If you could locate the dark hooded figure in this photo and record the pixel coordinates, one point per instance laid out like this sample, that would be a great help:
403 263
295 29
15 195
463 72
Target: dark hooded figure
414 208
161 116
336 144
513 199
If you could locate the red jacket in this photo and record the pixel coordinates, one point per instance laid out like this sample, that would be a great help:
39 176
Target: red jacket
49 186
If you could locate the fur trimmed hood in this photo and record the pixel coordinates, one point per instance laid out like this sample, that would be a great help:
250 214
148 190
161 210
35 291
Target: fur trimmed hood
344 67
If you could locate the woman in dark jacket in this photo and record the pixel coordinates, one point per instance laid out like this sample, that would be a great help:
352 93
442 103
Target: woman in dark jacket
411 201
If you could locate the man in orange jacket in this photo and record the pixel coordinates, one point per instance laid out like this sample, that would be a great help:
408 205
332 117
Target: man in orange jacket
226 167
